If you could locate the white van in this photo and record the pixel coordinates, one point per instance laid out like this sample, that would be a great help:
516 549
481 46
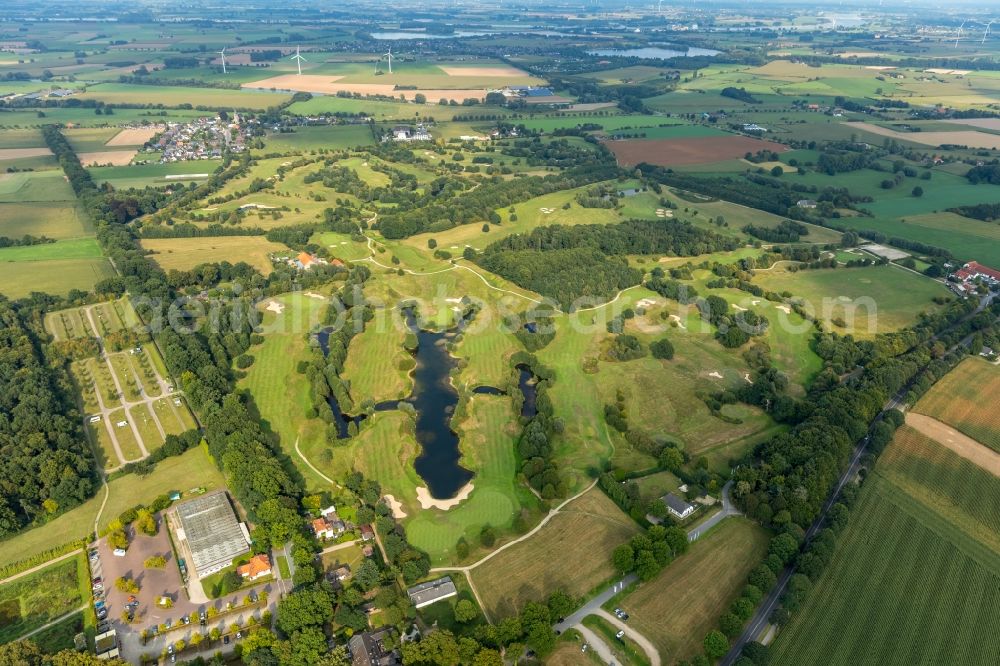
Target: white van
119 552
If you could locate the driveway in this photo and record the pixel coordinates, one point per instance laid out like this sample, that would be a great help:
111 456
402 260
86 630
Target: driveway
728 509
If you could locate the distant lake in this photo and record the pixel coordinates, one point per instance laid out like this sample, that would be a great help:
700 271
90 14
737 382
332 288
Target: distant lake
655 53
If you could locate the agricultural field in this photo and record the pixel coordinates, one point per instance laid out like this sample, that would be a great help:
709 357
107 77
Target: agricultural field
116 93
966 238
922 532
677 608
183 254
34 186
307 139
572 552
684 151
57 220
957 399
34 600
142 175
868 300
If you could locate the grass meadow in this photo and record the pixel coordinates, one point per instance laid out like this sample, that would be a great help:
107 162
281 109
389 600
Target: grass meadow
957 399
33 600
894 296
571 553
683 603
56 220
185 253
915 535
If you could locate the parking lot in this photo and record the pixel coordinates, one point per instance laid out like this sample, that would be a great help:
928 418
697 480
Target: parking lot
153 584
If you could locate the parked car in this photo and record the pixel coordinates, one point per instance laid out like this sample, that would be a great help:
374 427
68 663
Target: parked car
99 604
119 552
620 634
98 586
94 556
239 635
584 648
225 640
101 614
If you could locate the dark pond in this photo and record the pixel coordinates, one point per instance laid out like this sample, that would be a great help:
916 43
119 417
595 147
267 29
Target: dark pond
434 399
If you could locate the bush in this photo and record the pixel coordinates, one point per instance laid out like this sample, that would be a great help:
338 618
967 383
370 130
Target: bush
662 349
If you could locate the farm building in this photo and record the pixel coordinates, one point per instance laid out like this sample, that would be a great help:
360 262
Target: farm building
369 649
976 271
258 567
211 531
432 591
676 506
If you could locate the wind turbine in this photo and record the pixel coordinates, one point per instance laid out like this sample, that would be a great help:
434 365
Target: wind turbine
298 59
960 32
986 34
389 56
222 54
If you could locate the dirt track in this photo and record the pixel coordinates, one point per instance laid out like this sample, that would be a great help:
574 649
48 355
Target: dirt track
961 444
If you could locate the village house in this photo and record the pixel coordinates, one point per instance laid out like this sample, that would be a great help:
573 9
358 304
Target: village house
676 506
258 567
367 533
326 529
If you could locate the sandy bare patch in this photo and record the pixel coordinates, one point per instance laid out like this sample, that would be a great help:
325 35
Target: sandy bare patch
428 502
970 138
938 70
328 85
497 70
961 444
784 308
716 374
746 376
313 294
396 506
678 320
879 68
134 136
106 157
738 308
645 303
16 153
275 306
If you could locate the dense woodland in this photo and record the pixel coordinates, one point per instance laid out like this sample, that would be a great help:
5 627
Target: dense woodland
47 463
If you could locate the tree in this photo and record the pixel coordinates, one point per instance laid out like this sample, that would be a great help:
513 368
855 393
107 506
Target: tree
716 645
624 558
420 98
662 348
155 562
488 536
438 648
465 611
777 171
917 191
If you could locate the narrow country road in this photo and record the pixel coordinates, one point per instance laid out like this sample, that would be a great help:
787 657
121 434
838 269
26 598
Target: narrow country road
728 509
597 644
651 652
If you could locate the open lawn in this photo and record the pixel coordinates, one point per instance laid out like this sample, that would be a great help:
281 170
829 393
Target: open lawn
185 253
869 300
910 581
32 186
958 400
77 248
55 276
677 608
32 601
55 220
571 553
323 136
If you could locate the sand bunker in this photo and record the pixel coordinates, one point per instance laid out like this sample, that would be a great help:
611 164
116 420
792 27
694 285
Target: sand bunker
112 157
678 320
275 306
396 506
329 85
784 308
428 502
645 302
715 374
496 70
15 153
737 307
546 211
664 212
313 294
134 136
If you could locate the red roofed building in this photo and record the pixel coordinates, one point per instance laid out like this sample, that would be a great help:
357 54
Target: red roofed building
258 567
974 269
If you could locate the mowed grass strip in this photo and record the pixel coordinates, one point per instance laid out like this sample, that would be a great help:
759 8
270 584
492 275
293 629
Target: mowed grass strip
185 253
76 248
958 400
683 603
572 552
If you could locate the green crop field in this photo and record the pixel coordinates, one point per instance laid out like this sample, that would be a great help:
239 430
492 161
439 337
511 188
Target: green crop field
141 175
881 298
571 553
33 600
957 399
910 581
77 248
116 93
966 238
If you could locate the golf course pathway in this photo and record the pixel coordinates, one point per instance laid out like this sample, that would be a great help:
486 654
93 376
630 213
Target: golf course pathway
44 564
